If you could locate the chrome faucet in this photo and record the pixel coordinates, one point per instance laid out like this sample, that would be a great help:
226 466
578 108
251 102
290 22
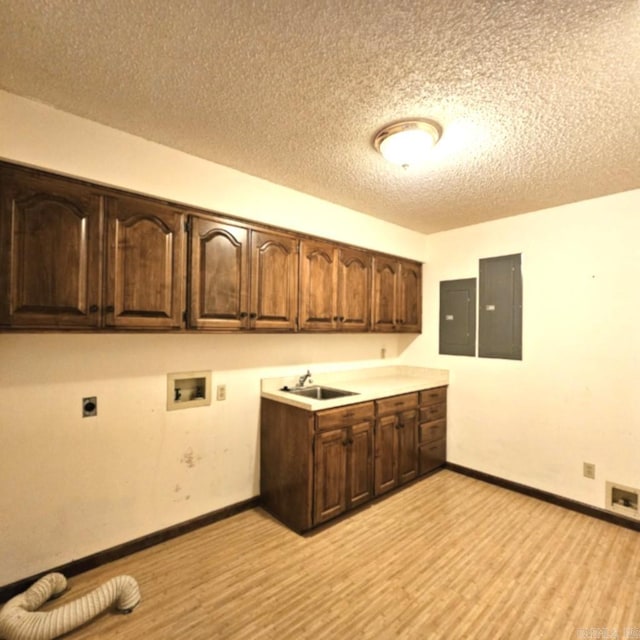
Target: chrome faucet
304 378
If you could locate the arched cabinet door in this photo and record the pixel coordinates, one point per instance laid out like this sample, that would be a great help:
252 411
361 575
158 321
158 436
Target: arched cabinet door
274 281
318 286
410 298
145 264
50 251
385 293
354 290
219 275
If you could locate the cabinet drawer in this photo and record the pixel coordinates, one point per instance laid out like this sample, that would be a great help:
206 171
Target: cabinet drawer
397 403
433 396
432 455
344 416
433 412
431 431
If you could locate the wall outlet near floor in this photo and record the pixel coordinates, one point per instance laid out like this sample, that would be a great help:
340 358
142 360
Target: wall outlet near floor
221 392
89 407
589 470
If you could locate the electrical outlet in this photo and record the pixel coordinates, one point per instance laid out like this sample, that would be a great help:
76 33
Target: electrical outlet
221 392
383 353
89 407
589 470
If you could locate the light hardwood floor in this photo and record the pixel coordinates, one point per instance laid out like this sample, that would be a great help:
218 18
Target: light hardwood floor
449 557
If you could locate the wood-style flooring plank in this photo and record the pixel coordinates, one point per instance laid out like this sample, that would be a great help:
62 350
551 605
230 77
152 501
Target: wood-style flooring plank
449 557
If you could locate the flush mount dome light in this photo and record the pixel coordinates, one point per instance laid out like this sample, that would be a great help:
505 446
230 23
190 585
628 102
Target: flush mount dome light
407 143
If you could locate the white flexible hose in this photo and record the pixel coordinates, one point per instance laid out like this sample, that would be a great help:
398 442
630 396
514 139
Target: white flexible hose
19 619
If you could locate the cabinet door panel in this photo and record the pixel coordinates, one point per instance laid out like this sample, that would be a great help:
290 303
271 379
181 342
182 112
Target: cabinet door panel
51 255
433 455
145 264
386 455
354 287
360 471
219 272
318 286
384 294
274 281
407 445
330 474
410 298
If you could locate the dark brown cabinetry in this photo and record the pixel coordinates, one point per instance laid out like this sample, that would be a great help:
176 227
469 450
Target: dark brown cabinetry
241 278
397 295
50 252
316 466
335 286
81 256
343 460
73 258
313 467
432 434
145 271
396 438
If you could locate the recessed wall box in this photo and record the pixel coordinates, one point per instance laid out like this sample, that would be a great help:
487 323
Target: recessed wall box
623 500
188 389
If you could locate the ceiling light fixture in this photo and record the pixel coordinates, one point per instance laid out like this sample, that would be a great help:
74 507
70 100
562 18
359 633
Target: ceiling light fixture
407 143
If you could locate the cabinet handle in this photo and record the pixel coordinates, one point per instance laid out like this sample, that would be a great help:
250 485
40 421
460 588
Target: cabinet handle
110 308
350 440
335 318
341 318
243 314
93 308
253 315
345 443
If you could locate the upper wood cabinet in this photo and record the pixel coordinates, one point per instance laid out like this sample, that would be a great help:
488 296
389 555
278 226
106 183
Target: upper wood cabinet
241 278
73 258
50 252
273 294
335 287
397 295
318 286
79 256
354 290
145 264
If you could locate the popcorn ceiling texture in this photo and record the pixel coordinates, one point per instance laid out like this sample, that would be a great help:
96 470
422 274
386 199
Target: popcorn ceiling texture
538 98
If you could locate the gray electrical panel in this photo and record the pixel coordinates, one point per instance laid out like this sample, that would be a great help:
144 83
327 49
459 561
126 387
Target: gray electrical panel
500 308
458 317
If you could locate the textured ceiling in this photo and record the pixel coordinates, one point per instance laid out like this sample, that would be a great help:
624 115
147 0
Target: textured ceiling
538 99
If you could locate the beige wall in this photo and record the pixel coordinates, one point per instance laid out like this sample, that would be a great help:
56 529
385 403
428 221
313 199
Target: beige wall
74 486
575 395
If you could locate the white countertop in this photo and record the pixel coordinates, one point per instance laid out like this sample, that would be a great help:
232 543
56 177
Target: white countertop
368 384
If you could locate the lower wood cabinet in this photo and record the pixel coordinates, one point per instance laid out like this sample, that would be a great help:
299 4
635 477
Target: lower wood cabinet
343 457
316 466
396 437
432 434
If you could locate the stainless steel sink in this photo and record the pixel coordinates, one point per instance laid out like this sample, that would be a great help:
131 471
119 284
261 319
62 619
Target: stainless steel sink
321 393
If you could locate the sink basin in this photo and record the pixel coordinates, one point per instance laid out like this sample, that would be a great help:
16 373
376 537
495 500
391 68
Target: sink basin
321 393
